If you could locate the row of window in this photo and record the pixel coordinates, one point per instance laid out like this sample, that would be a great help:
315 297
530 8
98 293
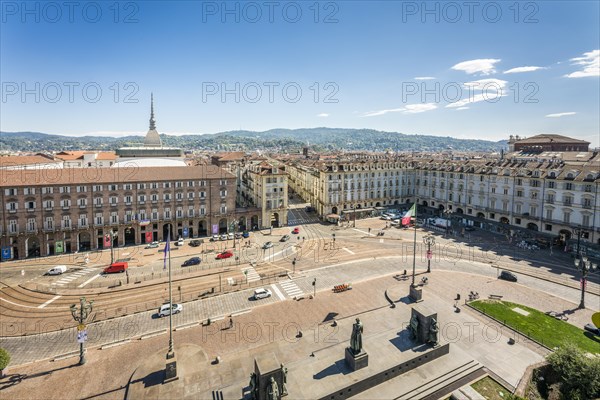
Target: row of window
113 187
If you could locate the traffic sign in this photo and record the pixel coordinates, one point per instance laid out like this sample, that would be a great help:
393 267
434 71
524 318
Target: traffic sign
81 327
6 252
82 336
429 255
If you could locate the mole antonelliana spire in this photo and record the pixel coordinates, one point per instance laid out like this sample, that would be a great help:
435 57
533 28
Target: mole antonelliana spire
152 121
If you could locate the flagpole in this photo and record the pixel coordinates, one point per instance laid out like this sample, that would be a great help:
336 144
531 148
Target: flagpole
415 236
170 353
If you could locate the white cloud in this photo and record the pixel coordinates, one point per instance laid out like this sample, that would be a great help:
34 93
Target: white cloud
590 62
522 69
409 109
485 66
489 96
424 78
323 115
462 108
558 115
490 84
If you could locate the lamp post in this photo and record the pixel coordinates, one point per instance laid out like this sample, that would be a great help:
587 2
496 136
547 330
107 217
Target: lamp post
429 240
448 214
584 265
234 224
80 315
111 235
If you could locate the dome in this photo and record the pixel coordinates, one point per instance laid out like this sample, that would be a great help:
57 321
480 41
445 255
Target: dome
152 139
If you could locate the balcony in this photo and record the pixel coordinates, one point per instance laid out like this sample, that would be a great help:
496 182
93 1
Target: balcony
48 208
98 205
12 211
141 202
48 229
30 210
82 206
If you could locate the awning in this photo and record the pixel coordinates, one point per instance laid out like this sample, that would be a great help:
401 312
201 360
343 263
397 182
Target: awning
335 216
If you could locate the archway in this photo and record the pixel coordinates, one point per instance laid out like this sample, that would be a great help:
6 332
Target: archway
202 228
459 211
32 247
378 204
166 229
441 207
395 202
480 215
334 210
84 241
223 225
254 222
532 227
425 204
242 224
504 220
129 236
275 220
565 235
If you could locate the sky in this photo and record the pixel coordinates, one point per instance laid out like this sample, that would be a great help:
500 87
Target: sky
471 69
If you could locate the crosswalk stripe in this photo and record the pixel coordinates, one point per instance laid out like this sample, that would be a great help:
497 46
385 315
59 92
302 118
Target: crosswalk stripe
278 292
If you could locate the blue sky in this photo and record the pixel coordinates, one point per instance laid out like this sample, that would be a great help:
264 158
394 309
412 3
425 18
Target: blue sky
439 68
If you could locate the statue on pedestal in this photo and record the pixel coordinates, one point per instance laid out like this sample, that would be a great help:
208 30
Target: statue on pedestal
433 332
284 372
356 338
273 390
414 326
253 386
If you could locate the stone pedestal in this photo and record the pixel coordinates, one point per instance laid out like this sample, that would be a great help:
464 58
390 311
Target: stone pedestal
416 293
356 361
425 318
171 370
265 367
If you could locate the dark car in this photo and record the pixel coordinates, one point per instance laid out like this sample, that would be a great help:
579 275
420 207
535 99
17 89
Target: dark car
195 243
309 209
592 328
246 235
508 276
469 228
191 261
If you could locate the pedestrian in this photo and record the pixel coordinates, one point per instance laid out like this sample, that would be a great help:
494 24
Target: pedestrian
230 323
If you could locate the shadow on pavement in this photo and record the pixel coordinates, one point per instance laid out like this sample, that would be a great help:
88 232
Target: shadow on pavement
15 379
339 367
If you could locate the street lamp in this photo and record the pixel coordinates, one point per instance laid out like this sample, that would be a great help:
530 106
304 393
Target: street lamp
80 315
448 214
584 265
429 240
111 235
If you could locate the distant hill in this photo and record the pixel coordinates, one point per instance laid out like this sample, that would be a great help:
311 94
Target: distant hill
272 140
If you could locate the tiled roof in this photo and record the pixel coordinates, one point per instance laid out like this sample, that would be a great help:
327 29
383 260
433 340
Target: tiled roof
11 161
545 138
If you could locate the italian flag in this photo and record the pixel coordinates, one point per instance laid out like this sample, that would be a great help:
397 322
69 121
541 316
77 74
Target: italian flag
409 214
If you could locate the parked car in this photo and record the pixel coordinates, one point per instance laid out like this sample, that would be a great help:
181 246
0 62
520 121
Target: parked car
469 228
191 261
214 238
152 245
223 237
230 236
508 276
592 328
309 209
167 309
296 230
246 234
267 245
116 268
261 293
284 238
238 235
225 254
179 242
58 270
195 242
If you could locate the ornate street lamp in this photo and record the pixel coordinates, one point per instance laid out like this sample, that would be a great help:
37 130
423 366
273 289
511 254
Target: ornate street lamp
80 315
429 240
584 265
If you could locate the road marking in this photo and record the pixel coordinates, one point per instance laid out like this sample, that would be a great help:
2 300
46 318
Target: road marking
278 292
89 280
380 240
366 233
348 250
49 301
291 288
251 275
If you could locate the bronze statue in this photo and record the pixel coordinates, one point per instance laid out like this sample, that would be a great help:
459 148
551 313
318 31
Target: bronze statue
253 386
356 338
273 390
433 332
414 326
284 372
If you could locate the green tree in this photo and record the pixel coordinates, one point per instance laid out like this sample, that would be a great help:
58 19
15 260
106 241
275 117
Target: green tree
4 358
579 374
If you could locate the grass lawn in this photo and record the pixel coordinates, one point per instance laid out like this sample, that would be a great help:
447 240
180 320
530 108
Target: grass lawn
490 389
537 325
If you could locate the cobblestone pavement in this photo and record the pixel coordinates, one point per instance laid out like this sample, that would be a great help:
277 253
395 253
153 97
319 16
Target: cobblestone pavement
272 327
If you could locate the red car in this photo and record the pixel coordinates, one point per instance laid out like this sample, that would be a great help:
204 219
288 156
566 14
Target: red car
225 254
296 230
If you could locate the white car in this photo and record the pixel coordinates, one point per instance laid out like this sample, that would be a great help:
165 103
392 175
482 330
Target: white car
58 270
230 236
165 310
261 293
223 237
180 242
